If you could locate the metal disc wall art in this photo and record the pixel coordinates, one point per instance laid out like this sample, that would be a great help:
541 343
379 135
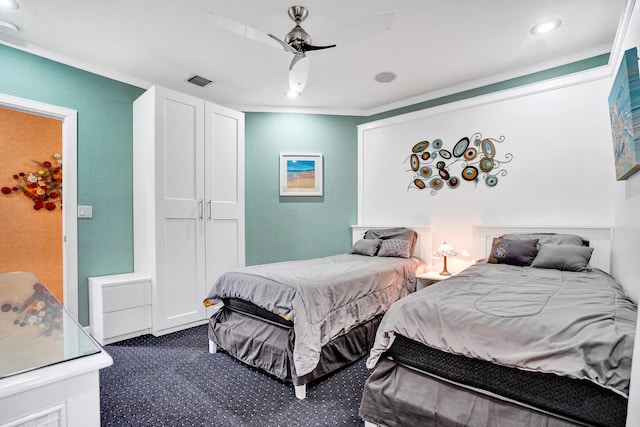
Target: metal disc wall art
472 159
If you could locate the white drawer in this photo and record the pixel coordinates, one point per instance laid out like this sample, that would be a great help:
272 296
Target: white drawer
126 322
121 296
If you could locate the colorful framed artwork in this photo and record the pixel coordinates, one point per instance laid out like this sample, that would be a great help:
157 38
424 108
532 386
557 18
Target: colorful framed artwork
624 111
301 174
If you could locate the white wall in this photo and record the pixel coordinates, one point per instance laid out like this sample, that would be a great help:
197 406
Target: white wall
626 236
562 172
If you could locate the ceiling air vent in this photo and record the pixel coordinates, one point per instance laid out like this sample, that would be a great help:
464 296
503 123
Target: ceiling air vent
198 80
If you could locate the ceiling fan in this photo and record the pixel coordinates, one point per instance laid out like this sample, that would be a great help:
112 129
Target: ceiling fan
298 42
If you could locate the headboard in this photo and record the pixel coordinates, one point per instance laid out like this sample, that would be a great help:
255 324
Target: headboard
423 245
599 239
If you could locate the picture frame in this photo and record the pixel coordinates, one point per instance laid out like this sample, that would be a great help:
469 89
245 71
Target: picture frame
301 175
624 112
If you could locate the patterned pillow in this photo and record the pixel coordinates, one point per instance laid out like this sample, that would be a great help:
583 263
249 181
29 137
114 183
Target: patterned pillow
395 248
367 247
513 252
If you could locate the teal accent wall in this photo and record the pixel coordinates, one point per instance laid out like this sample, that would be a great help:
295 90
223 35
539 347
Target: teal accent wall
290 228
105 156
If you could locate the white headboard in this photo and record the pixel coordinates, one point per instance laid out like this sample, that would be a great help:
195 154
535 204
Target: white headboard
423 245
599 239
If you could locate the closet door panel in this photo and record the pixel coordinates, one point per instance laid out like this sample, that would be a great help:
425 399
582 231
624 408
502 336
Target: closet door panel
225 255
180 205
224 189
182 268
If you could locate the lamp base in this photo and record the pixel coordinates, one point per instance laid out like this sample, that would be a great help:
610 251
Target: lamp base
444 271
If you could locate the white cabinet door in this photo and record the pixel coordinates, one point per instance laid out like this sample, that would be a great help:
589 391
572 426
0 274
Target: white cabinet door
180 211
224 190
188 201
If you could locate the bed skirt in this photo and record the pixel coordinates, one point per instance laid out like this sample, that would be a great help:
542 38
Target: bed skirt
267 344
398 396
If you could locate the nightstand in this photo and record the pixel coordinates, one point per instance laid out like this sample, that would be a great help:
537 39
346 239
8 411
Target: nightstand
429 278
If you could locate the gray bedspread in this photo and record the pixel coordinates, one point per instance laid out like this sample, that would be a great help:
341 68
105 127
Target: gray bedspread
324 297
580 325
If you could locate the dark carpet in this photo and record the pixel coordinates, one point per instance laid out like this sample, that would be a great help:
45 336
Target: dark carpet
173 381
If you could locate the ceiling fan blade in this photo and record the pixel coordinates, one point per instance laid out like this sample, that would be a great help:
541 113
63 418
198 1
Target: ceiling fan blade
307 47
299 75
286 46
297 57
242 30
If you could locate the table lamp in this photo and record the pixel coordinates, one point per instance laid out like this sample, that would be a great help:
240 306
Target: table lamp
445 250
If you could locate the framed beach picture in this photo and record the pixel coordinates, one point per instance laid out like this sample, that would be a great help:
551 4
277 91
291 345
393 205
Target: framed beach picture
301 174
624 111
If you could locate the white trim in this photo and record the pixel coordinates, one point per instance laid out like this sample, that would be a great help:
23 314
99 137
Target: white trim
69 120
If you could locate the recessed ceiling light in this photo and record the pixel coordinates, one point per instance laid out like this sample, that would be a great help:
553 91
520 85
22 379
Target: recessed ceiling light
293 93
546 26
385 77
10 4
7 26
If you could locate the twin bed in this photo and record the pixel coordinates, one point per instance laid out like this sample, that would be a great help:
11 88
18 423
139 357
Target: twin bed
302 320
535 334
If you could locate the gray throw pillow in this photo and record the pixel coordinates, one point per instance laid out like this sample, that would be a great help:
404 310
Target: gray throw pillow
393 233
513 252
563 257
395 248
368 247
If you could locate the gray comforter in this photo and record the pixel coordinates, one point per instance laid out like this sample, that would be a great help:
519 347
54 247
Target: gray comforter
581 325
325 297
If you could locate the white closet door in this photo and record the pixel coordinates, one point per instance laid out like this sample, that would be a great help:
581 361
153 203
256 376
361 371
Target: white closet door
224 188
180 210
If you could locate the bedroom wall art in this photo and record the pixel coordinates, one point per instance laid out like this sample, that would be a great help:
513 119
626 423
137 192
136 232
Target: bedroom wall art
624 112
472 159
301 174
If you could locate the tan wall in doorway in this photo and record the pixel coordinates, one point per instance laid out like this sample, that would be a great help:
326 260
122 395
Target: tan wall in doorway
30 240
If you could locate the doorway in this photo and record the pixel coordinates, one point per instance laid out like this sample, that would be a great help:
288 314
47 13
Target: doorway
67 123
30 166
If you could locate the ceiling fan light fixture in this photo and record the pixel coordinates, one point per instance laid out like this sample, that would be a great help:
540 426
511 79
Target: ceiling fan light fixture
546 26
10 4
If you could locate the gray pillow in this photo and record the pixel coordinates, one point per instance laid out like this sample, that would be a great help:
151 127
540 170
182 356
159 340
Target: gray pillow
395 248
563 257
513 252
393 233
367 247
548 238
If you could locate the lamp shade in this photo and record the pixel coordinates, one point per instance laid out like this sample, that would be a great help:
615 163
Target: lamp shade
445 249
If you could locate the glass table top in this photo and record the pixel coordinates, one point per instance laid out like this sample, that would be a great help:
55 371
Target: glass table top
35 329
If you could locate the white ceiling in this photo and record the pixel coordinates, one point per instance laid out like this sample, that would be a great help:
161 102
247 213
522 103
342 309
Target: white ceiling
432 45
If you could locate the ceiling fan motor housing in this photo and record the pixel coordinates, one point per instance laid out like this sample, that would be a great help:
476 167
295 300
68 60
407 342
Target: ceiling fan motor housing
298 36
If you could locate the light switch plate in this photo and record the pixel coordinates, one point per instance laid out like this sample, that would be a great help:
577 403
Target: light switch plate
85 211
